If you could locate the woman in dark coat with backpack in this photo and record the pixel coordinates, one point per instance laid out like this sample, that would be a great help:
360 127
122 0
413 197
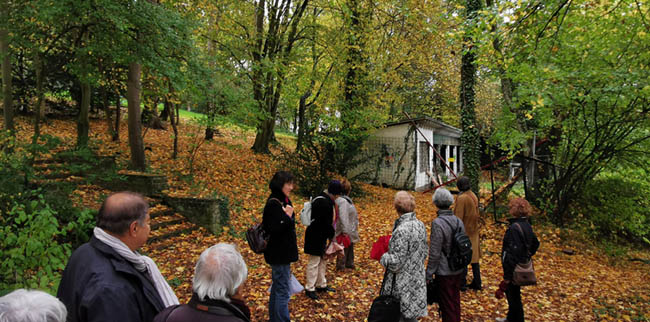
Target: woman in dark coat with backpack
519 244
279 222
317 235
438 268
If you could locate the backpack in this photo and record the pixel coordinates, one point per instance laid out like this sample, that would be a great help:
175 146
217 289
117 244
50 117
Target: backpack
460 254
257 237
305 213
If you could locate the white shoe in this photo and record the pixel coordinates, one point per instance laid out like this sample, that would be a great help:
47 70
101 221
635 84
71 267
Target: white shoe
501 319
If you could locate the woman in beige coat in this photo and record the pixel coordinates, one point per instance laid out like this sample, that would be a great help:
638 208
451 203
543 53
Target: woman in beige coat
466 209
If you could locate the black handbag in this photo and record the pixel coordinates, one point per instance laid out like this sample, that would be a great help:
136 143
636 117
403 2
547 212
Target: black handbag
433 295
385 308
257 237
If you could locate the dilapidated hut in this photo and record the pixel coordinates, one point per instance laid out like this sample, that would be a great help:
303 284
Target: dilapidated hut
399 156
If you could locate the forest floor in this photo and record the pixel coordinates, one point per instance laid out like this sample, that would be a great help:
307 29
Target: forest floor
585 286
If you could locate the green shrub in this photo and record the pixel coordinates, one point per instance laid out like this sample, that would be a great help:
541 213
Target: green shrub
31 257
309 168
39 224
616 205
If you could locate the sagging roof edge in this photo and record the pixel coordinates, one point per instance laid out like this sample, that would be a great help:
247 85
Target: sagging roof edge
426 119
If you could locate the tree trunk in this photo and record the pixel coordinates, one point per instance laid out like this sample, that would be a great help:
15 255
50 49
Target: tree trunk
38 65
174 123
133 87
83 123
7 89
470 138
209 133
302 122
118 117
107 110
264 135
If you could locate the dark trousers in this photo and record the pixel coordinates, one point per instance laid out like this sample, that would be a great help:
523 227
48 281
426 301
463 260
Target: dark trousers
515 307
347 260
449 288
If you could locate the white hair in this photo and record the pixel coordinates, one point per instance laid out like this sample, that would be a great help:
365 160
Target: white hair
31 306
219 272
442 198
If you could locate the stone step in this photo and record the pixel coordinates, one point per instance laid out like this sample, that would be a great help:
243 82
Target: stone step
163 224
160 211
167 239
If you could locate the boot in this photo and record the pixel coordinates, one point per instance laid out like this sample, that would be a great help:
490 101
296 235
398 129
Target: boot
463 284
476 281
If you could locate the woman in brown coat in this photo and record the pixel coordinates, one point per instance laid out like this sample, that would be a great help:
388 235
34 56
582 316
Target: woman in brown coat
466 209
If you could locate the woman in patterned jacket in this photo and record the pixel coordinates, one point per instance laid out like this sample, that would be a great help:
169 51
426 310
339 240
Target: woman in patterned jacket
404 261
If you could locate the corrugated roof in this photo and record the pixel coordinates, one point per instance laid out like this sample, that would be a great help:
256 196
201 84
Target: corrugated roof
431 121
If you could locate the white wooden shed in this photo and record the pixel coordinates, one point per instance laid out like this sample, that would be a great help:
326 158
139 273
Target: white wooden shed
398 155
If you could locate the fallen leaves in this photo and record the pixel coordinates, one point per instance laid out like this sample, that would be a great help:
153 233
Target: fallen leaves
581 287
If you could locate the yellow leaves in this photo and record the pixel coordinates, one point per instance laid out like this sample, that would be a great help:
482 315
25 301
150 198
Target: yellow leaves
582 287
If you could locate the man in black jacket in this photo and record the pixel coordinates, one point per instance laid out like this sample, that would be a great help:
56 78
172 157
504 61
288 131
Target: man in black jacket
106 279
316 236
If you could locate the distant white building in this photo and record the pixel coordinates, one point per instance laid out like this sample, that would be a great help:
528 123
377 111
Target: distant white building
398 155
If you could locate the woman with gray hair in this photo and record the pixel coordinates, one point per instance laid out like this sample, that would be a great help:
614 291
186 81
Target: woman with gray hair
219 278
442 232
407 251
31 306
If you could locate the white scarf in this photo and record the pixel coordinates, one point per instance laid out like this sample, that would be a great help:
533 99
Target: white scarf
141 263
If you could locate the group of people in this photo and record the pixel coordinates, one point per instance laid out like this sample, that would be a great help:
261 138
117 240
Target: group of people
407 279
106 279
333 216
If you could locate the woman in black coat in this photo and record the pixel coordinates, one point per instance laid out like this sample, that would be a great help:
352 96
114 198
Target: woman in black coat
519 244
316 236
279 222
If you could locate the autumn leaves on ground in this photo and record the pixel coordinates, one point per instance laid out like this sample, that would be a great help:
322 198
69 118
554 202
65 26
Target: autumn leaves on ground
586 286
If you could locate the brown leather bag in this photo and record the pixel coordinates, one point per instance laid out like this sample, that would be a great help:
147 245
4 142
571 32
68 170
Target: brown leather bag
524 273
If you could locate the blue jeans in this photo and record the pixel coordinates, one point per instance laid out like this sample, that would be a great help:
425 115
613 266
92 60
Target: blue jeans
279 299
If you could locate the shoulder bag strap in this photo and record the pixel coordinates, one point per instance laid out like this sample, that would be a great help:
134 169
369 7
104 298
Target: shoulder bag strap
278 200
523 236
453 232
392 288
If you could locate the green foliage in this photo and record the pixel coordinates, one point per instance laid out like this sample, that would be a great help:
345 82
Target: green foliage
615 205
30 257
310 167
582 83
38 223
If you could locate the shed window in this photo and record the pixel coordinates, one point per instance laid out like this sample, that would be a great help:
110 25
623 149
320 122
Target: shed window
424 156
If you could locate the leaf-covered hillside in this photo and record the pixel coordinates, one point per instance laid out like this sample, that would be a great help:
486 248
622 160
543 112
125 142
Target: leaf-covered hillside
587 286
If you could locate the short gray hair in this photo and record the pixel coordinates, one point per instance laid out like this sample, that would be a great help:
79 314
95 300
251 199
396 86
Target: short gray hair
442 198
404 202
31 306
219 272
